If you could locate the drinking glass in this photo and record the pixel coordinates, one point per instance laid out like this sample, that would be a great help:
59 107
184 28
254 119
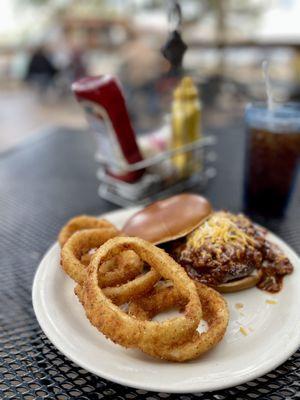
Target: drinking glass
272 157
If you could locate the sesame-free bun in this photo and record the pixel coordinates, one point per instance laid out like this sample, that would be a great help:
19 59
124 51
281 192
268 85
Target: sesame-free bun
168 219
239 284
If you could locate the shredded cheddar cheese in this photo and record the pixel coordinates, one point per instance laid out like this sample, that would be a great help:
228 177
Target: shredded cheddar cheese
243 331
220 229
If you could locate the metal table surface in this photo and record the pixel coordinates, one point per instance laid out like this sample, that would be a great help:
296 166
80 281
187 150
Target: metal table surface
44 182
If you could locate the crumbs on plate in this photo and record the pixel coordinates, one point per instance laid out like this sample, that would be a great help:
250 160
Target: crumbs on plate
239 305
269 301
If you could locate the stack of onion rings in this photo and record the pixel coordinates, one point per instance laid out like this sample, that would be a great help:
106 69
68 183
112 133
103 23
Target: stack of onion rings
108 270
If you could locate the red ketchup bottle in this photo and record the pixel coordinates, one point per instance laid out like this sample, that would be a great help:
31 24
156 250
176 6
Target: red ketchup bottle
106 112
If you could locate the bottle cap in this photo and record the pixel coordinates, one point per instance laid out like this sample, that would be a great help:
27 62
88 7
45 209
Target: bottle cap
186 89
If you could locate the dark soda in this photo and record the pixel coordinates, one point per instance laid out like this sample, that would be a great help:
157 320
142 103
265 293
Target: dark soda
272 158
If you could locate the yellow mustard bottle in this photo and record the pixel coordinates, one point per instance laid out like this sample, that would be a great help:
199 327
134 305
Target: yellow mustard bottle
186 116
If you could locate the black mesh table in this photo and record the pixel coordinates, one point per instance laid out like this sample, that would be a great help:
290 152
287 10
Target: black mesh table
44 182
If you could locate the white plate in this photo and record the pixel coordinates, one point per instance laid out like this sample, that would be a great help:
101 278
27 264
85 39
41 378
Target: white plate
273 333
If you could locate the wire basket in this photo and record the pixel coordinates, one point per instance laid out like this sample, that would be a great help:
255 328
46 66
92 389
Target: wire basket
160 179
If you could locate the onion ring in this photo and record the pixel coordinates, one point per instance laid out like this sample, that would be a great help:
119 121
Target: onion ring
127 330
125 289
78 244
139 286
215 312
115 272
81 222
119 270
115 275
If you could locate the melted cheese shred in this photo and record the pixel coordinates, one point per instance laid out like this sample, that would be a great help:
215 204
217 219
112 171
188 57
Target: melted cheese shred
220 229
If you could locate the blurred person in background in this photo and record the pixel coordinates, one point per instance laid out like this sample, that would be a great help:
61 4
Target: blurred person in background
55 64
41 71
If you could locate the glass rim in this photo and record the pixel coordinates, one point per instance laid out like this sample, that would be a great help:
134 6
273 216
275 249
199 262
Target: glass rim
285 118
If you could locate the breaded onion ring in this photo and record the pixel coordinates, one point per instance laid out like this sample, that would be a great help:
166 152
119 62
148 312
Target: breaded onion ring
115 275
215 313
125 289
139 286
119 270
81 222
79 243
129 331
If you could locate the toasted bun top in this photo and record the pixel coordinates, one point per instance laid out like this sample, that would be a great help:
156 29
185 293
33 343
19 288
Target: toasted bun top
168 219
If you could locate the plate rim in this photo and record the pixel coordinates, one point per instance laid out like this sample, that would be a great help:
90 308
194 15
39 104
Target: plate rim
46 327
